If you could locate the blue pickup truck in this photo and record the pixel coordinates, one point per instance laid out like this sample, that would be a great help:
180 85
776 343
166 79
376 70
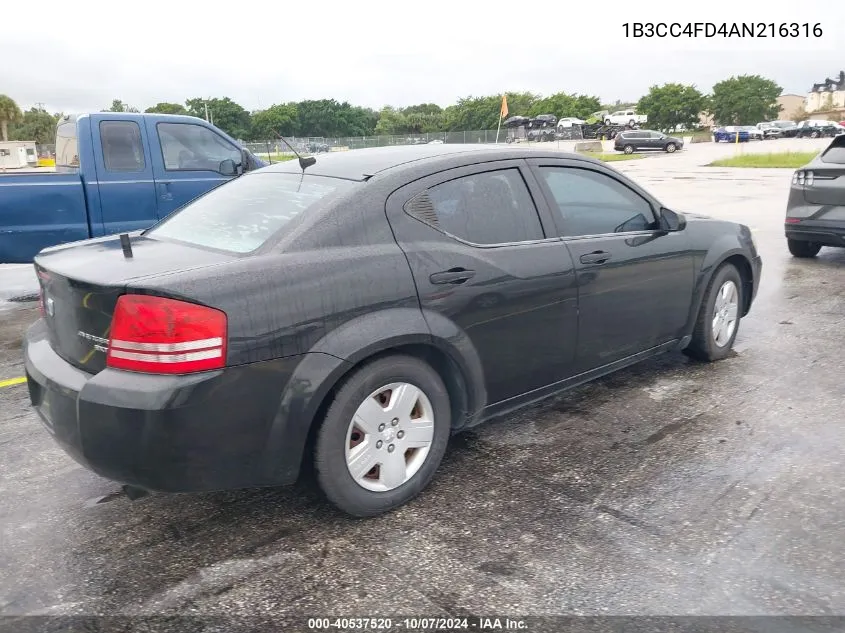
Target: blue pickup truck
115 172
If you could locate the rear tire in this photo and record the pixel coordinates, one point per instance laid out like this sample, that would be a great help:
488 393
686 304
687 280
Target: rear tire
365 419
628 149
800 248
719 316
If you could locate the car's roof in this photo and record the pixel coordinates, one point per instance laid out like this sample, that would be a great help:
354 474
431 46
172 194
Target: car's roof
361 164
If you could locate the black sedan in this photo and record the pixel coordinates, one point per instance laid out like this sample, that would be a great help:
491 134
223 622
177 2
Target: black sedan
361 309
815 210
631 140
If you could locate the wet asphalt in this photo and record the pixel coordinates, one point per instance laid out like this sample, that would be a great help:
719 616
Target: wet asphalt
674 487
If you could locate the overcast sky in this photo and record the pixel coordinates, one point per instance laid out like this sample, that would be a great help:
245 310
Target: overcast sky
79 55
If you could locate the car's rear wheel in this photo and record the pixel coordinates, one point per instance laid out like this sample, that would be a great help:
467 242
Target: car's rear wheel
718 319
383 436
628 149
670 147
800 248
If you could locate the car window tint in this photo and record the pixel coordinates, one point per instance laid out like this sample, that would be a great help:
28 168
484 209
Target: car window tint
242 214
493 207
591 203
190 147
122 148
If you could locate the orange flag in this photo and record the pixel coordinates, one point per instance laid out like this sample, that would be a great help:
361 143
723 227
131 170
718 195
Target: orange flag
504 105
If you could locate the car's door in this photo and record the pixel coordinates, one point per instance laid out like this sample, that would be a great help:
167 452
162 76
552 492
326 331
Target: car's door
655 140
485 255
191 161
127 199
635 282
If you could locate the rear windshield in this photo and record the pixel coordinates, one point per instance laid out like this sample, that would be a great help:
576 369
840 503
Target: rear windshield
835 153
241 215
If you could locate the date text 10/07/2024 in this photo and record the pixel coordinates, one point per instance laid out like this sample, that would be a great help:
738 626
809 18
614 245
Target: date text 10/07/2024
730 30
416 624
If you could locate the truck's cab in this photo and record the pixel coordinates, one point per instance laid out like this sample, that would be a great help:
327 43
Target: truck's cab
115 172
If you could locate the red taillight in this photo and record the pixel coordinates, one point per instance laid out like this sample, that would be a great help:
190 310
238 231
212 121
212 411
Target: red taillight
792 220
165 336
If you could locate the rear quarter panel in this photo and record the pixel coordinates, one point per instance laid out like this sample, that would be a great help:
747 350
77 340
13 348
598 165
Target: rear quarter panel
39 210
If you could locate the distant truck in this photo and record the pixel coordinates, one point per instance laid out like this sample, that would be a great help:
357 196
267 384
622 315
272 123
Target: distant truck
625 117
115 172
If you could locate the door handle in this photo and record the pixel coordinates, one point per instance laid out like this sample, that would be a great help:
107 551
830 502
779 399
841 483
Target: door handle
452 276
164 189
597 257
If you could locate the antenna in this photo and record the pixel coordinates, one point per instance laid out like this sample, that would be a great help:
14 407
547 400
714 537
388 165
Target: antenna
304 163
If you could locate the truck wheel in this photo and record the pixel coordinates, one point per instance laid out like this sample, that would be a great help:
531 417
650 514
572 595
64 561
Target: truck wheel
607 121
383 436
719 316
632 123
800 248
628 149
670 147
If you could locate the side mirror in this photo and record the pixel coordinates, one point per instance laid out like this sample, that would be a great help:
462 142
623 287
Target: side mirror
671 221
227 167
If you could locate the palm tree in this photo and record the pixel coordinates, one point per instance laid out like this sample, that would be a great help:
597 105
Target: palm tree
9 113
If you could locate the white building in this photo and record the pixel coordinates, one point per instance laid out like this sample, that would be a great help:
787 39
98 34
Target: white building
17 154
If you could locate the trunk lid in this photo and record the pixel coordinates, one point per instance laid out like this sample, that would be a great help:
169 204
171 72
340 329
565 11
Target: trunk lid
80 285
828 184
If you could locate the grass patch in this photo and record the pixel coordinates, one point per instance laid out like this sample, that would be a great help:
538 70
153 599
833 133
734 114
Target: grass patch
609 158
786 160
276 158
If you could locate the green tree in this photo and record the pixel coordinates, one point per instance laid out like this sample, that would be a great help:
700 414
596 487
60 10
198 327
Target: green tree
565 105
328 117
9 113
744 100
166 108
671 105
482 113
277 119
118 106
224 113
391 121
35 125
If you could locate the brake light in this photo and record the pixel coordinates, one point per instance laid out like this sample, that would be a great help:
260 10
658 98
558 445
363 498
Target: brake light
792 220
803 178
165 336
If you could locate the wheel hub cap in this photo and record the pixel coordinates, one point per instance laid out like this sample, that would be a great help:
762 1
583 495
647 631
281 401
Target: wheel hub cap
389 437
725 313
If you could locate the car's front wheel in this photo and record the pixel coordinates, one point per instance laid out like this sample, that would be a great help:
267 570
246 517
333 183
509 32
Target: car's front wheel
800 248
719 316
670 147
383 436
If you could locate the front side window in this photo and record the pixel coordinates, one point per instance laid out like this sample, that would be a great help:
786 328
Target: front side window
122 147
191 147
493 207
243 214
590 203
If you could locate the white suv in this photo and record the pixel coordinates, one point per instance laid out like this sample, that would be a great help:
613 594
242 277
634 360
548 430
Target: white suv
625 117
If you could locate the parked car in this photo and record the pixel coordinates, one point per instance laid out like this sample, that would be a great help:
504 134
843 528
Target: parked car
569 121
788 129
625 117
769 130
114 172
754 133
814 215
730 133
329 299
629 140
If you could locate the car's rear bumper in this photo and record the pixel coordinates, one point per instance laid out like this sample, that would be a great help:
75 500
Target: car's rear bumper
826 233
208 431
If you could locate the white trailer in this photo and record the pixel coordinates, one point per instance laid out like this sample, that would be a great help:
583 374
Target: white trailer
18 154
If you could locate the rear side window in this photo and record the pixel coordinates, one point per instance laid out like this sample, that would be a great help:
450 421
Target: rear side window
242 214
492 207
122 148
67 145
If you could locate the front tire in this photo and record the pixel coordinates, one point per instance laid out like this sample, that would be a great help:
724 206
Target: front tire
800 248
383 436
670 148
718 319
